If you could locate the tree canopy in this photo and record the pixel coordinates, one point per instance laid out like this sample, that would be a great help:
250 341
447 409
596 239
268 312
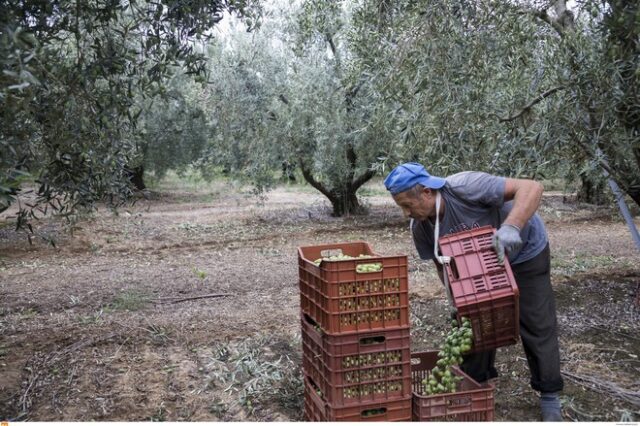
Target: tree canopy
342 90
521 89
73 74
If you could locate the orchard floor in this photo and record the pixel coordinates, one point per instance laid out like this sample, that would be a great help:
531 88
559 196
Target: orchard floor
106 325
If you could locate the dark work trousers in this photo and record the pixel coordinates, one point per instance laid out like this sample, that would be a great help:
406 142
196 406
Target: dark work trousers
538 328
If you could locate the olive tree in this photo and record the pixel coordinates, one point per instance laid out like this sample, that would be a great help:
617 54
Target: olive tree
172 131
520 88
293 92
72 74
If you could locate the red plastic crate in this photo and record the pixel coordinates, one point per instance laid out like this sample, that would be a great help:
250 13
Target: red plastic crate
316 409
341 298
357 368
471 402
482 290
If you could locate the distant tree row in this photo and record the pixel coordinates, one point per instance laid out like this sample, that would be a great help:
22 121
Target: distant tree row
95 92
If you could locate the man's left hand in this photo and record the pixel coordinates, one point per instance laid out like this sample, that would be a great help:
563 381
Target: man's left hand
506 239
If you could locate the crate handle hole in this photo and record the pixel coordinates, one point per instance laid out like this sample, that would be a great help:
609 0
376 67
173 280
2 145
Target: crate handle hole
459 402
374 412
310 320
331 252
364 268
454 269
375 340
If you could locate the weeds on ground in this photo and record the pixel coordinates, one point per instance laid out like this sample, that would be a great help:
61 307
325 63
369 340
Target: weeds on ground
373 192
219 408
28 313
160 414
262 371
159 335
129 301
581 262
200 273
95 318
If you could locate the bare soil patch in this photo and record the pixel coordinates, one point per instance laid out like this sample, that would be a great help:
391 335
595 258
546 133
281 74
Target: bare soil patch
90 330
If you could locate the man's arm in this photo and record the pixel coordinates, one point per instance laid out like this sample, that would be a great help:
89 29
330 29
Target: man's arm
526 195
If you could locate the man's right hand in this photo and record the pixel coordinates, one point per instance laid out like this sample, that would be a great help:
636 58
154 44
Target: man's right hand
506 239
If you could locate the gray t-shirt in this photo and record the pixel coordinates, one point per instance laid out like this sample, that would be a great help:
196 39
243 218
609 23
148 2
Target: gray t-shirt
472 200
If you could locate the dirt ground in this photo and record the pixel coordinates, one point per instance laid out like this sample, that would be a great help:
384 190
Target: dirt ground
107 325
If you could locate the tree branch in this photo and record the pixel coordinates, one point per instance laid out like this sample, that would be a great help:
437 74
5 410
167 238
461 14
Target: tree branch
544 16
351 157
332 45
283 99
308 176
563 21
363 178
353 91
592 154
184 299
530 105
605 387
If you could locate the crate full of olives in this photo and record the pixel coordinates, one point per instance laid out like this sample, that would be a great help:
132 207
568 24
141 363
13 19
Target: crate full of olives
449 396
347 287
317 409
359 367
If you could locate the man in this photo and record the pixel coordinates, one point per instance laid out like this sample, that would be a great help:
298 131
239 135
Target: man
472 199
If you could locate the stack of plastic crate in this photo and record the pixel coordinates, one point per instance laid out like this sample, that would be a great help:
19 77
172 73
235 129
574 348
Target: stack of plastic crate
355 334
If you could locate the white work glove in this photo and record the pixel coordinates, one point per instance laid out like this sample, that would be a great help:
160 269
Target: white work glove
506 239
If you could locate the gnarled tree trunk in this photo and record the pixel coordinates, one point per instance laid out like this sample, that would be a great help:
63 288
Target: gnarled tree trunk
344 201
593 190
136 176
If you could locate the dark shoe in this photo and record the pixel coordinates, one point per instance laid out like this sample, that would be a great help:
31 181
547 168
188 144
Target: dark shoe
550 407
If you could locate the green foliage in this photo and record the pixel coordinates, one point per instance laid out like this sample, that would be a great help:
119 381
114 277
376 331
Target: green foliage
458 68
173 130
518 90
72 77
343 90
298 96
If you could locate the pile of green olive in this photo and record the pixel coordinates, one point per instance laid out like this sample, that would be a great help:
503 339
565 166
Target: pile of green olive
376 358
367 317
369 286
341 257
369 374
372 389
441 378
363 303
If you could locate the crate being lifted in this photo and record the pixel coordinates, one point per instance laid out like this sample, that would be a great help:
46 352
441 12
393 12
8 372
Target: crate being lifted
346 287
482 290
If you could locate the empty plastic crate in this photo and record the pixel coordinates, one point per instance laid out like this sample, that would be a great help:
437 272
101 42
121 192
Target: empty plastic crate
482 290
471 402
356 368
316 409
341 296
